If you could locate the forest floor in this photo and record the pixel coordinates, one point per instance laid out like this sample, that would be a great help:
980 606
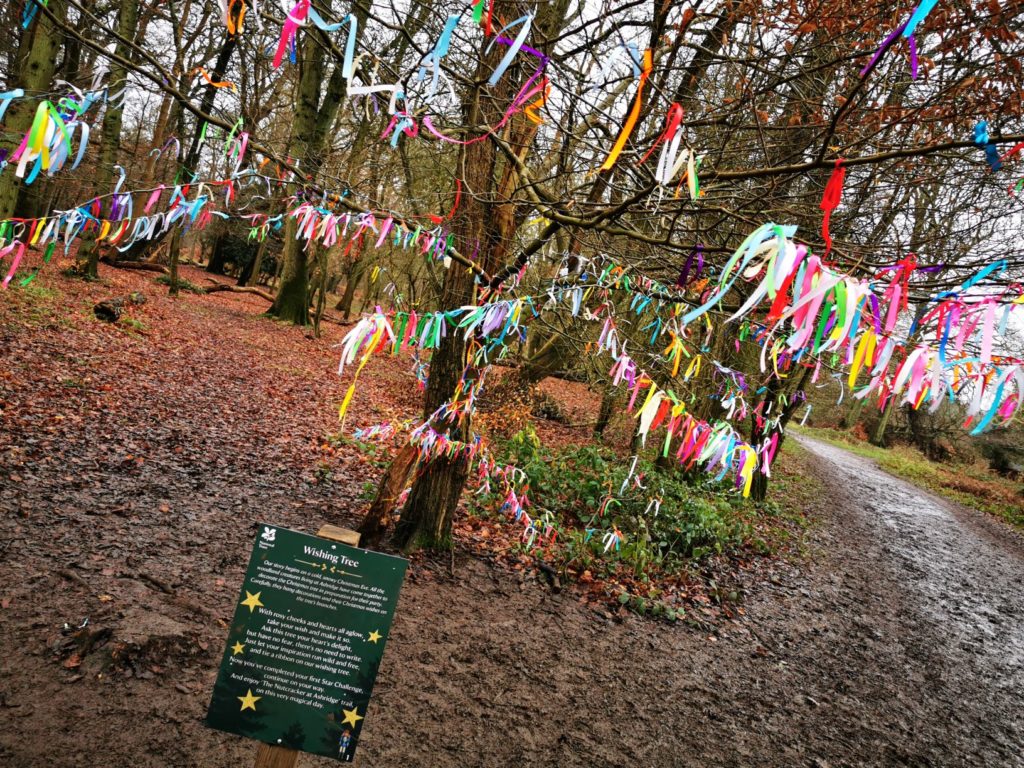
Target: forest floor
136 460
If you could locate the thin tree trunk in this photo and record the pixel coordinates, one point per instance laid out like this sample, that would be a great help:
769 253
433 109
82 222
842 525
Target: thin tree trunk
113 118
878 435
604 413
852 415
254 277
354 275
759 483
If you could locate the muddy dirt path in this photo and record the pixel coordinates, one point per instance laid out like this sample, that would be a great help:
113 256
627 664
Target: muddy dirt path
898 642
960 576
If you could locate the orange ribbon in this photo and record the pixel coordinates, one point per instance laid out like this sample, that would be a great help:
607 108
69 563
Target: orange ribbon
208 78
634 114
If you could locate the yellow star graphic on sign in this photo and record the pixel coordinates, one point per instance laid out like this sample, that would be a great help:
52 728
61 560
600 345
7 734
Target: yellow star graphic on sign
248 701
252 602
374 636
237 648
352 717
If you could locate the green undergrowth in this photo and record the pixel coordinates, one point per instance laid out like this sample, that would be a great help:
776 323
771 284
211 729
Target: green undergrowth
578 490
38 303
970 484
183 284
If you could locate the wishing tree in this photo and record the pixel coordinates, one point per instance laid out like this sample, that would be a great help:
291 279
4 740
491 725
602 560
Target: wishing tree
702 207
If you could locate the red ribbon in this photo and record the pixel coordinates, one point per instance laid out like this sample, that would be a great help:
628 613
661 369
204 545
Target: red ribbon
830 200
673 120
455 207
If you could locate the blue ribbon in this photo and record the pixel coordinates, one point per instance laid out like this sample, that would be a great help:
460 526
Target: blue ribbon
919 15
510 54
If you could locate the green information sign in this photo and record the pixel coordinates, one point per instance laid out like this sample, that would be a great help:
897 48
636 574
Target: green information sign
309 631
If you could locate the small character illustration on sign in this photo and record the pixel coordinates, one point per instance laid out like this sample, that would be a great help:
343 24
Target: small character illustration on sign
343 742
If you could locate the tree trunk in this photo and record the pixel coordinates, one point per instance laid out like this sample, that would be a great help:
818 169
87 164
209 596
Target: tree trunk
38 60
355 274
604 413
878 436
375 523
218 256
310 136
253 278
920 435
426 521
485 222
427 516
190 161
127 19
174 250
759 482
636 441
292 302
852 415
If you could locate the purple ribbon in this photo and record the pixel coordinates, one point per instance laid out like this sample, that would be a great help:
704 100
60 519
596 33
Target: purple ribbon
883 48
697 254
875 315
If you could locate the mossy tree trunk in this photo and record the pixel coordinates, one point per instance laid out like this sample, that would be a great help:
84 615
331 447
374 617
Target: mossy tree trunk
878 435
852 415
37 60
311 126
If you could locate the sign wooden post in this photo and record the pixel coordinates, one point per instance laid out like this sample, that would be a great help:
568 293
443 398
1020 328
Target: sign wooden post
305 644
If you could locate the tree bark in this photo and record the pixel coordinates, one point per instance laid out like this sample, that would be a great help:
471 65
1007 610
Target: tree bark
38 55
355 274
215 266
759 483
113 118
604 413
427 516
310 136
852 415
375 522
292 302
486 223
254 277
878 435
